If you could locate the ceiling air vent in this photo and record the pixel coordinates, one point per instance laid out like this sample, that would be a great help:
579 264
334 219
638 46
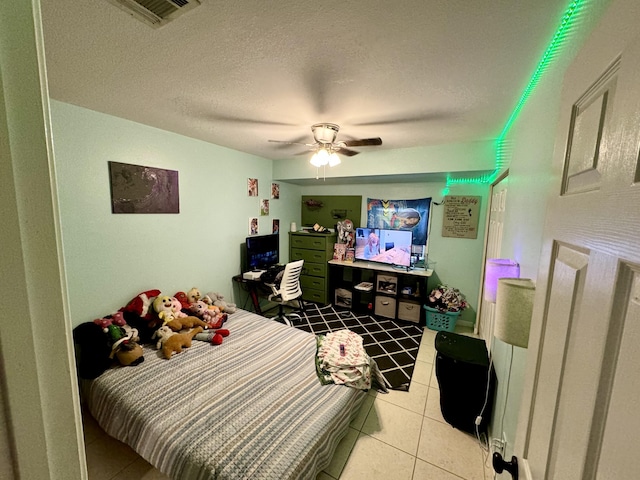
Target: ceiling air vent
156 12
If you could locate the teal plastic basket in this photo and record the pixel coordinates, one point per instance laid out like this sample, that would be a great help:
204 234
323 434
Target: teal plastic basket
443 321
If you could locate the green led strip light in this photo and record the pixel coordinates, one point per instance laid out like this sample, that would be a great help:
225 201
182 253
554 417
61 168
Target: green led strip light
558 40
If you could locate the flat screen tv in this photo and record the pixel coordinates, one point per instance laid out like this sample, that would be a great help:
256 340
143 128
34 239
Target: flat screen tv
392 247
263 251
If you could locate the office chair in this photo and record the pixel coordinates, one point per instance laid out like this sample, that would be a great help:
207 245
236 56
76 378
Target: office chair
288 291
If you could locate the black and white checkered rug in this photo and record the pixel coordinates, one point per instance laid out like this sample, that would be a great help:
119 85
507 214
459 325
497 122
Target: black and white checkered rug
393 345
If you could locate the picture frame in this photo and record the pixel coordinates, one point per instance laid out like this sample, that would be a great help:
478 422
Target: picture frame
143 189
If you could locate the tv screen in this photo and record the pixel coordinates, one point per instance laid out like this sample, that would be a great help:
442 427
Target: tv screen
263 251
392 247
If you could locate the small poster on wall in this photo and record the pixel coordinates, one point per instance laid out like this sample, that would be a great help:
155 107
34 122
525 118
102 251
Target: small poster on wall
252 187
461 215
264 206
253 225
275 226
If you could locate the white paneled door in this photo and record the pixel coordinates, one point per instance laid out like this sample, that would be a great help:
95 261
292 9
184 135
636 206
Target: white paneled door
580 418
494 244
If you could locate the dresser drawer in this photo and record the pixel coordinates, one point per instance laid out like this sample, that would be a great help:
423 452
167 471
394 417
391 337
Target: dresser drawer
309 242
316 283
309 256
312 295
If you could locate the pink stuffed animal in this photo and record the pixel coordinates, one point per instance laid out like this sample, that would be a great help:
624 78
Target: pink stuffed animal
212 316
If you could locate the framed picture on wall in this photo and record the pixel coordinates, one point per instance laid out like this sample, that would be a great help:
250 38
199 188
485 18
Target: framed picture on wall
275 190
140 189
275 226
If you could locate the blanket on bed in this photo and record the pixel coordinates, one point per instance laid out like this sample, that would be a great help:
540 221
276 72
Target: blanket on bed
250 408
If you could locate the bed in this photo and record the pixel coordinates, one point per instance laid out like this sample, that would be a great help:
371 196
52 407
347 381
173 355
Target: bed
251 408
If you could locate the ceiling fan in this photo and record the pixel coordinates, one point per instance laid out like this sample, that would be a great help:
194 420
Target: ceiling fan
326 147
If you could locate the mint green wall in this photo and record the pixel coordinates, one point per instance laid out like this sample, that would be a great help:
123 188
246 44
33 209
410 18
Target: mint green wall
111 258
458 261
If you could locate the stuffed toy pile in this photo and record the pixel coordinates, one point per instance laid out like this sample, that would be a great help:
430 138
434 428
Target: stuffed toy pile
168 322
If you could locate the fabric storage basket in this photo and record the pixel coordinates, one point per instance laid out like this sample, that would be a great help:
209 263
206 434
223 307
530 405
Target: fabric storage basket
443 321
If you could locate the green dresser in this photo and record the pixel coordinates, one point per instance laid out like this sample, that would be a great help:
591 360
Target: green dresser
316 249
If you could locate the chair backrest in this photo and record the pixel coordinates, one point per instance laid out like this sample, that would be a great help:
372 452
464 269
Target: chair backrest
290 283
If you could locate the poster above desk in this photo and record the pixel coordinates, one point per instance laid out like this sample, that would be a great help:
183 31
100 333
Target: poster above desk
328 210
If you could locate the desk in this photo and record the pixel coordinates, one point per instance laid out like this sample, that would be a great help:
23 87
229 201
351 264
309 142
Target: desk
253 288
380 267
390 292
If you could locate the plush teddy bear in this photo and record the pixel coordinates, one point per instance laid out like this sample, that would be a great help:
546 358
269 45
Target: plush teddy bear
193 295
218 300
208 313
170 341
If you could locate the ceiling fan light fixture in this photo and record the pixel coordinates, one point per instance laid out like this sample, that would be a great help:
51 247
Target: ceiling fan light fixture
334 159
320 158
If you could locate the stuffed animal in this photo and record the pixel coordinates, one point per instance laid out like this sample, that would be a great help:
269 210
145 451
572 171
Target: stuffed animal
214 337
141 304
116 319
170 341
97 343
177 324
218 300
208 313
177 307
129 353
166 304
92 350
182 298
346 232
122 338
193 295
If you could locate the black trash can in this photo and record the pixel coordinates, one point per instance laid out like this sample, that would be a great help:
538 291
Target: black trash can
463 371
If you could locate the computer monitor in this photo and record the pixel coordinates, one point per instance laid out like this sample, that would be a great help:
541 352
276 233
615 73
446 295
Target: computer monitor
263 251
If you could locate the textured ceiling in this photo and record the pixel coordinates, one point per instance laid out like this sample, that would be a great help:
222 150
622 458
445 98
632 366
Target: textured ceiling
413 72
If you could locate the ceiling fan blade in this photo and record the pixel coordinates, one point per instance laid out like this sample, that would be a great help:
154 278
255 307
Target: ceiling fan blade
347 152
293 143
364 142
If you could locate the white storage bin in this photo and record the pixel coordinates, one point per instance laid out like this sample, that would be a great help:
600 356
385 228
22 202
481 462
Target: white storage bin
385 306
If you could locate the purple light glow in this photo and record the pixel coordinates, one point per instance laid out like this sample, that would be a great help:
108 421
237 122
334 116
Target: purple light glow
498 268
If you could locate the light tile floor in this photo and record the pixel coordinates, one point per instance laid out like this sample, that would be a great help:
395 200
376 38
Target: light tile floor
399 435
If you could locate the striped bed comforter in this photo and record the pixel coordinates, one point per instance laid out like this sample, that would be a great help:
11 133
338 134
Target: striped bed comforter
251 408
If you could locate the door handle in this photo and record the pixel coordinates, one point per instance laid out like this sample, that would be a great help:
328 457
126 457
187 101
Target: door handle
499 465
